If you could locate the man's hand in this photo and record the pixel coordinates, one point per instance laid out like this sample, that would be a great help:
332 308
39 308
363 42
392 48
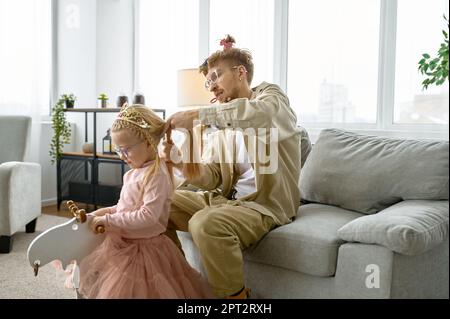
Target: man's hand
166 150
101 212
184 119
169 150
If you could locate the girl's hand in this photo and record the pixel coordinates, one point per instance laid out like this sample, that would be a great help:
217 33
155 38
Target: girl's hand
96 222
100 212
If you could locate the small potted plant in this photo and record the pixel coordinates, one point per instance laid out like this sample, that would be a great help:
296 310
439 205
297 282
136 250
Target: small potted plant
69 100
103 99
61 130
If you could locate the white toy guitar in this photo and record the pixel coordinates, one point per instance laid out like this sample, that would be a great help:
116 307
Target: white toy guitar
67 242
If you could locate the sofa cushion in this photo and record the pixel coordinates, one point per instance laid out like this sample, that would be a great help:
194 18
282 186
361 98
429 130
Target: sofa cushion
305 147
409 227
370 173
309 244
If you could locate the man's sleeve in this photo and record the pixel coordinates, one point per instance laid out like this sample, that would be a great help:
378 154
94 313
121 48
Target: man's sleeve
244 113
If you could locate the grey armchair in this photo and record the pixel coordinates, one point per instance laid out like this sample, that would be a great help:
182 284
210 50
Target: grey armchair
20 182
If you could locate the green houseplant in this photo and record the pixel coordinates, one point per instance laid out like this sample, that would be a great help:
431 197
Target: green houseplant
61 130
69 100
436 69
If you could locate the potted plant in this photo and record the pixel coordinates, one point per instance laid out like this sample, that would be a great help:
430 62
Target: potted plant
69 100
103 98
61 130
437 68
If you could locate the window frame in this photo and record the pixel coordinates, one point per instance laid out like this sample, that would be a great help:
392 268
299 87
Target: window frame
385 124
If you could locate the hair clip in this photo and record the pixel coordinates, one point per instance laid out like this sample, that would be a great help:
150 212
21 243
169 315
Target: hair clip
226 44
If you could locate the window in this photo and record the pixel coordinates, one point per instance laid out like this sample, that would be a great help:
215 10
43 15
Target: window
25 57
333 60
418 33
349 63
168 41
251 23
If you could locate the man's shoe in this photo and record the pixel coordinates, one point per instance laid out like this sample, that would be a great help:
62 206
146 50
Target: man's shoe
243 294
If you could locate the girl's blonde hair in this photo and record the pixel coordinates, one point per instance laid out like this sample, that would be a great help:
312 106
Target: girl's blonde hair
144 123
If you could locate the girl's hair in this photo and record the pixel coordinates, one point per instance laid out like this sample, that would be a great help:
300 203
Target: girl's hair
232 55
141 121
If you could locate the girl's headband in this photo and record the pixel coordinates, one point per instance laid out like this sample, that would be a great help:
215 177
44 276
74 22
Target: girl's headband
130 115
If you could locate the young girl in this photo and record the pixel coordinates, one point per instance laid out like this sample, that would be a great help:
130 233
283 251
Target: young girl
136 260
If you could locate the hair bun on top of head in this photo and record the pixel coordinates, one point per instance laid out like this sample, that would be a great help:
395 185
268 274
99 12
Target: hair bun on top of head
227 42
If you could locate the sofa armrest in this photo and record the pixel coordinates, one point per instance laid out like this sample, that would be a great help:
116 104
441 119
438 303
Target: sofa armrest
410 227
20 195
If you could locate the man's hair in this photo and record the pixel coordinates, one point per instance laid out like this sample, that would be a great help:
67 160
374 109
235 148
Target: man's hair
234 56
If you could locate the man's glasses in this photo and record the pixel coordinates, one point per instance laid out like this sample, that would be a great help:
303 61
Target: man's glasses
125 151
215 75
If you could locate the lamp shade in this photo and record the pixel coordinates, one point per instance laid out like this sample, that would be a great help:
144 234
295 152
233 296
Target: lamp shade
191 88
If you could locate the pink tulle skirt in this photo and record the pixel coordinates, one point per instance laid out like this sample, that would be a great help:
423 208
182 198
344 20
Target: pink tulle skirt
140 268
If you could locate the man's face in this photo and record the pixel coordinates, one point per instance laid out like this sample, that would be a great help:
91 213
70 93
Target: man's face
223 81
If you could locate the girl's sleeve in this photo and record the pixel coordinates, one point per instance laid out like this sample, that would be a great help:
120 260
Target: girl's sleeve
113 209
154 212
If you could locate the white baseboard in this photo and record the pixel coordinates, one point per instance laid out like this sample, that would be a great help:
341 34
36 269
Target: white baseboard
48 202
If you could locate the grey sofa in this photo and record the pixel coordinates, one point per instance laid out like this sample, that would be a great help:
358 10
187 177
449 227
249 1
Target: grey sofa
373 224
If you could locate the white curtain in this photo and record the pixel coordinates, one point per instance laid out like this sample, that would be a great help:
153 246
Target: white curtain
168 42
25 64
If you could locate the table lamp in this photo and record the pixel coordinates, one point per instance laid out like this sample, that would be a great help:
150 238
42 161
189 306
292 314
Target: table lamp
191 89
192 94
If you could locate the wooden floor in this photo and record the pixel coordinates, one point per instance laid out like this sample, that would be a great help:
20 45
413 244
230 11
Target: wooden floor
64 211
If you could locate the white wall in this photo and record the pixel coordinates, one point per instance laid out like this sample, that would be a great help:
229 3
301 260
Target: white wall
94 54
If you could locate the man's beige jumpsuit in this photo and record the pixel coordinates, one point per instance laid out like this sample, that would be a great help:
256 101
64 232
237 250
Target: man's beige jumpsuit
222 227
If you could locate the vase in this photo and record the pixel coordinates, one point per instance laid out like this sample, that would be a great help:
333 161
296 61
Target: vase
88 148
102 103
139 99
121 100
69 104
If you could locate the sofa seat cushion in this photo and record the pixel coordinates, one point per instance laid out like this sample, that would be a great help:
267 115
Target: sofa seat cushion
309 244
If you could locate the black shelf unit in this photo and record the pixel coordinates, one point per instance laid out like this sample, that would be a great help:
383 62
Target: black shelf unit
78 173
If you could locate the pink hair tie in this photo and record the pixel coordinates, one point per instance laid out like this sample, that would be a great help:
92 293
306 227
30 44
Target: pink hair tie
226 44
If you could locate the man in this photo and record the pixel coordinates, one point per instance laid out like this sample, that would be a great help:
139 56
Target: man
239 202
